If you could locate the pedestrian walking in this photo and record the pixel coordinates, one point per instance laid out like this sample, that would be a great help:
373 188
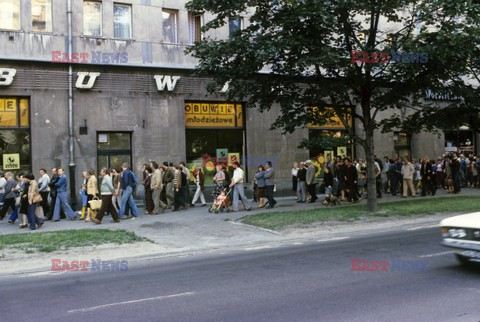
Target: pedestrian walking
129 183
34 198
200 184
179 181
219 180
147 184
295 178
106 191
61 200
238 189
351 177
408 172
301 184
260 191
270 184
311 181
53 194
157 186
168 183
92 192
9 200
43 187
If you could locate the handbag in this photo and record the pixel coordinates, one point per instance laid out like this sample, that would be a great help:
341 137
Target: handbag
95 203
37 198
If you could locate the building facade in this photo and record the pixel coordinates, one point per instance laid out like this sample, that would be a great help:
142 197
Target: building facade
134 96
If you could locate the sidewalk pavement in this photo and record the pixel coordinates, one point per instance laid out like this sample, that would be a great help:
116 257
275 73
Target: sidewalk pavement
195 230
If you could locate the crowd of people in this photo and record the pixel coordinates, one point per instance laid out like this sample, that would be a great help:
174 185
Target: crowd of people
346 179
167 186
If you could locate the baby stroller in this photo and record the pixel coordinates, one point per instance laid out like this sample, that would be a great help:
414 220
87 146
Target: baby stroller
222 203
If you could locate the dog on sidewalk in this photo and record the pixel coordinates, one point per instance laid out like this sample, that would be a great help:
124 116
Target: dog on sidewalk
331 200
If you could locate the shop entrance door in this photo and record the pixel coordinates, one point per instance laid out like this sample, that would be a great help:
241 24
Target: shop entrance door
113 149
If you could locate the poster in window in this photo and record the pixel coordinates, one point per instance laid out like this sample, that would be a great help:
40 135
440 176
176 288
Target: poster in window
222 155
11 161
342 151
233 157
329 155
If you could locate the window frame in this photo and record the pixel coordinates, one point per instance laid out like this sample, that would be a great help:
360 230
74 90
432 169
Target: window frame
51 18
101 19
19 19
176 14
19 127
192 23
240 18
121 4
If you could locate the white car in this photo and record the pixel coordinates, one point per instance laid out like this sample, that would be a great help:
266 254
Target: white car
462 233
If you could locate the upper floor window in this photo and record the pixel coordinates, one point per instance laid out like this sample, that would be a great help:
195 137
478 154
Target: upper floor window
169 25
42 15
195 27
92 18
234 24
10 14
122 21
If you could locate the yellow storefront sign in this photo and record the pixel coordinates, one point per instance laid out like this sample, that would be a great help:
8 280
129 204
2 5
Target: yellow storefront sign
8 119
11 161
333 122
213 115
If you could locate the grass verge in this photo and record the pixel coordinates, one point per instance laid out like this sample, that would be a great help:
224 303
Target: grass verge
410 207
47 242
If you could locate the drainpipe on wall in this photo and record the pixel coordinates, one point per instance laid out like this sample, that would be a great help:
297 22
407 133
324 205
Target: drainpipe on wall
71 143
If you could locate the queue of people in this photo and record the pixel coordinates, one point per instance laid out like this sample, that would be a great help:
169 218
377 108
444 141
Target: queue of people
346 179
167 185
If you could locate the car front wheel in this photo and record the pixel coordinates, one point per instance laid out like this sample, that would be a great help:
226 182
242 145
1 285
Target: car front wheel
462 259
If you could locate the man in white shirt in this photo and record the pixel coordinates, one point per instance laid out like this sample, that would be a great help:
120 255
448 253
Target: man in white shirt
237 186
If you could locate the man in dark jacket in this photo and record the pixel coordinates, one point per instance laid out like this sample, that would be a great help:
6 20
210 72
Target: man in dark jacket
301 184
128 185
270 184
351 177
456 173
53 195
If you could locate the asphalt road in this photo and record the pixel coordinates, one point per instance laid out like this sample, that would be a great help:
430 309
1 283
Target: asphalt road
313 282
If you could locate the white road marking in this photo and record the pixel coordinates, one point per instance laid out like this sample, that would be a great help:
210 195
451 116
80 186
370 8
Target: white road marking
423 227
93 308
259 247
437 254
332 239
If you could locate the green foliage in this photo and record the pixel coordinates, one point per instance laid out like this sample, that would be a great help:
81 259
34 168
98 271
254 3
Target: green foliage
293 55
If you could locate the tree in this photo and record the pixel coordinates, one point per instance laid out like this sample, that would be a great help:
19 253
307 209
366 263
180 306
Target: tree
297 54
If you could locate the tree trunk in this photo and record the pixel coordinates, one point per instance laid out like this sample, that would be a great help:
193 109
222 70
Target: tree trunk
371 180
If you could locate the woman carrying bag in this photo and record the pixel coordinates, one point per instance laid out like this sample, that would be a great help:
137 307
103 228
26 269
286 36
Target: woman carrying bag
261 184
34 198
92 192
